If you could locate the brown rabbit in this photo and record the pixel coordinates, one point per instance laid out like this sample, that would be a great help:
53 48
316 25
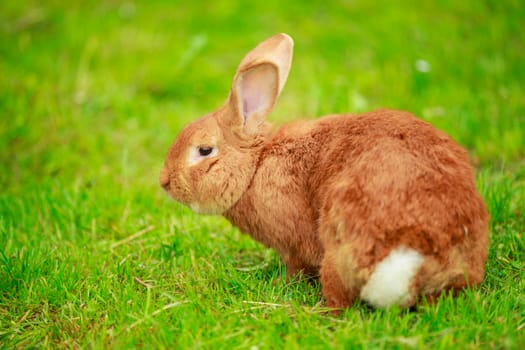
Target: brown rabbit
382 205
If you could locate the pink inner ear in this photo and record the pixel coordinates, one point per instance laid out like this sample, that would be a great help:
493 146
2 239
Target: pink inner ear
251 103
245 110
258 91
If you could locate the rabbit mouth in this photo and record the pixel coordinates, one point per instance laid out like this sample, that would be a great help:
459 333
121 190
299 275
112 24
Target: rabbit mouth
180 192
164 179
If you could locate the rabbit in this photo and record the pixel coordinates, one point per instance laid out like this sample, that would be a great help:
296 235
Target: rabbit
380 206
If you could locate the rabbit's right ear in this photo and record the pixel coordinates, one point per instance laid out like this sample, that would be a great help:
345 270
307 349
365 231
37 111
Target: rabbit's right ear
258 83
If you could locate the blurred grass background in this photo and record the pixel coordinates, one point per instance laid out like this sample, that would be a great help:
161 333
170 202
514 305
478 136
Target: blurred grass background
103 77
93 93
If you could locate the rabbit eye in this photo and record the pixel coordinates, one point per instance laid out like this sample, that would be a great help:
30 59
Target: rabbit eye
205 151
201 153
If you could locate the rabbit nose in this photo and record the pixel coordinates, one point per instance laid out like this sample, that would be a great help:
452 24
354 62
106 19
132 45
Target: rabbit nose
164 178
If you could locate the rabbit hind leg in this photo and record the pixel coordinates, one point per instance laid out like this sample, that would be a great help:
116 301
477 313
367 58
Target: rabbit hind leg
337 293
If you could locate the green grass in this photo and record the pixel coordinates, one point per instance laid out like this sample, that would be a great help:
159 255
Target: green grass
93 254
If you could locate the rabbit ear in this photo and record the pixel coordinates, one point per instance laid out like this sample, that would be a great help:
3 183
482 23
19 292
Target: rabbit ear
258 82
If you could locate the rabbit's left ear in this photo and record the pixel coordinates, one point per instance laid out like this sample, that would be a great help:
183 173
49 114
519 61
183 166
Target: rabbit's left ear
258 83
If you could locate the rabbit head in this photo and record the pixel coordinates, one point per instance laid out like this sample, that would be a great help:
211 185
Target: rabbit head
213 159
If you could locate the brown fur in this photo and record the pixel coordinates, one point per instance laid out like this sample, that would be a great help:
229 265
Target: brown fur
334 195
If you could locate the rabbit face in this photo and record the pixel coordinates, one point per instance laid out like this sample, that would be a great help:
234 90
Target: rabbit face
205 170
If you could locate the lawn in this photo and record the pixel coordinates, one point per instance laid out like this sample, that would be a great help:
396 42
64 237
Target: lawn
94 255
